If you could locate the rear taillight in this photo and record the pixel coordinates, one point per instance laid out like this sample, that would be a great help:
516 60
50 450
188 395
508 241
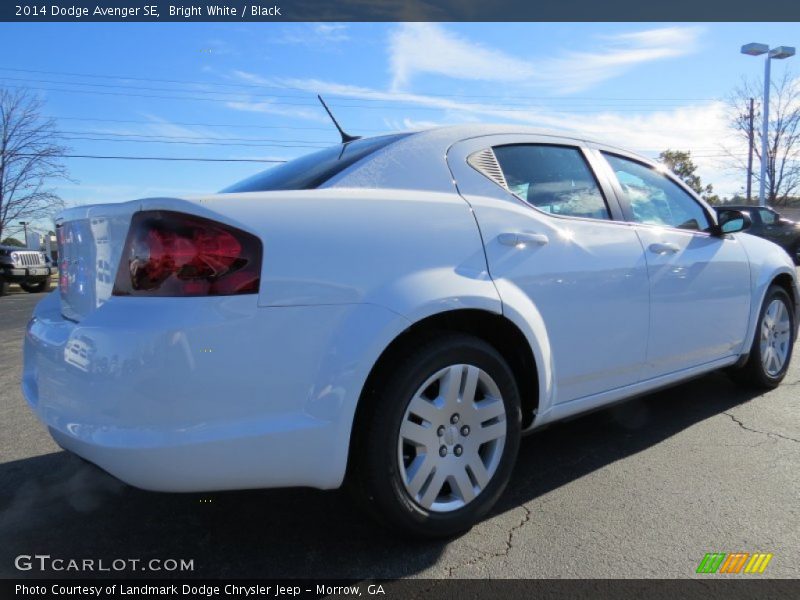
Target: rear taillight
175 254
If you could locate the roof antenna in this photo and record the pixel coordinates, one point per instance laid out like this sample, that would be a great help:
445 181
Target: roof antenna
346 137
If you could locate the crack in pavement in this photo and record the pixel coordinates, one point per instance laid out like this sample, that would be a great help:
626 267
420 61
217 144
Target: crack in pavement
425 592
503 553
769 433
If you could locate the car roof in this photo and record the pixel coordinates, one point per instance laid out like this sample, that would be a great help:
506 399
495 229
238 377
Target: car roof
451 134
422 151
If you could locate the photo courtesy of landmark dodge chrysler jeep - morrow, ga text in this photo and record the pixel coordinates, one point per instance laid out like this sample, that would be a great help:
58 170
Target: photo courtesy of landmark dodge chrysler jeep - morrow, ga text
391 314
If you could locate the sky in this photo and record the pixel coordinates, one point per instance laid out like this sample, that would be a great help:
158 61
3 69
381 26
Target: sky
246 91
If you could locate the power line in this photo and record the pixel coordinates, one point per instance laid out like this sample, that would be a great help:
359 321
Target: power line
133 94
189 137
289 87
230 125
287 127
400 106
97 139
647 101
152 89
169 158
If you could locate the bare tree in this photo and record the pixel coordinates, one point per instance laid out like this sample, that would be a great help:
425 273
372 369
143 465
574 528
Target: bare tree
30 158
783 139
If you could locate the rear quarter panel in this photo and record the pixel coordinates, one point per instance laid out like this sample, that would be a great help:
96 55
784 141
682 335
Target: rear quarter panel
415 253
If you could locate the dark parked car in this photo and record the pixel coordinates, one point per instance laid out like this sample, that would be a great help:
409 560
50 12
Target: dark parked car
29 268
769 224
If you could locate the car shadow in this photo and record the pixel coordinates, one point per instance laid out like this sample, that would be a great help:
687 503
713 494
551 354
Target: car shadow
59 505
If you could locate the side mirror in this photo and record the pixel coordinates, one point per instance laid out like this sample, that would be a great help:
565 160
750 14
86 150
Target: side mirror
731 221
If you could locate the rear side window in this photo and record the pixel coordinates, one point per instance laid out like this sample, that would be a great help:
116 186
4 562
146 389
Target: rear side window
554 179
312 170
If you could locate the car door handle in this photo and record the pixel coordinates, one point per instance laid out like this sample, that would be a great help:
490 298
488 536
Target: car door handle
664 248
523 239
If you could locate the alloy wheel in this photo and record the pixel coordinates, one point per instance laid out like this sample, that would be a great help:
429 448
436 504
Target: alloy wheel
451 438
776 337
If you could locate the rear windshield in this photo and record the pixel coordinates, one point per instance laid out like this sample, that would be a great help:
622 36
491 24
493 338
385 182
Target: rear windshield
312 170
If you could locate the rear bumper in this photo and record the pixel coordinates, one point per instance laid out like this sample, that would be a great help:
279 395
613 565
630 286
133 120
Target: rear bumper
201 394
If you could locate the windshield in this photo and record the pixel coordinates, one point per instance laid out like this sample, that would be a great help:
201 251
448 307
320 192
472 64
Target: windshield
312 170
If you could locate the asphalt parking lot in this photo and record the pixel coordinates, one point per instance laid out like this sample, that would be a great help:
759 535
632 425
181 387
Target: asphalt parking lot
644 489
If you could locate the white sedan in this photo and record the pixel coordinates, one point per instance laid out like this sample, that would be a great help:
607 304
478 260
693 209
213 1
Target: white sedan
393 313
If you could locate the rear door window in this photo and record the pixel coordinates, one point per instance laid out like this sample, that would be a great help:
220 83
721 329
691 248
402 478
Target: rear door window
654 198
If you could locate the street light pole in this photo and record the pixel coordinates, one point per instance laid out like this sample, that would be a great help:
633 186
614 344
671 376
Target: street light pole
779 52
750 141
762 200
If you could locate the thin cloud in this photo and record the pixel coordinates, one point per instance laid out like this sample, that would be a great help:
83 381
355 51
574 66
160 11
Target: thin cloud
309 114
428 48
578 71
313 34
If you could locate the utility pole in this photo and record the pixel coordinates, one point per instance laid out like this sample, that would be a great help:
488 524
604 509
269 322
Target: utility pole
751 140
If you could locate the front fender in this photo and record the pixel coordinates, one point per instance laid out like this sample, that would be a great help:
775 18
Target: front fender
767 262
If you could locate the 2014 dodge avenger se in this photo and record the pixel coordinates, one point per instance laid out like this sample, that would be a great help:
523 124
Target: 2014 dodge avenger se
394 312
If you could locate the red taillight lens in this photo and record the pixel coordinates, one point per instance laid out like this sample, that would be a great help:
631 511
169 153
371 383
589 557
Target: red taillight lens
174 254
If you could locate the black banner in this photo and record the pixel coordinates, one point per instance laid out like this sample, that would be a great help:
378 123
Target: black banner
398 10
707 588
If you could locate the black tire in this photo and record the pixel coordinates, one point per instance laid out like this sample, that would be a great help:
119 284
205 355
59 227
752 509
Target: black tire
4 285
375 476
36 288
753 373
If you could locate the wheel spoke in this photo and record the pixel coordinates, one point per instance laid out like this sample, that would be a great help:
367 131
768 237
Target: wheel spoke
424 408
771 310
462 486
451 385
420 435
470 384
779 309
772 359
433 490
489 408
478 470
490 432
418 473
776 360
766 357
